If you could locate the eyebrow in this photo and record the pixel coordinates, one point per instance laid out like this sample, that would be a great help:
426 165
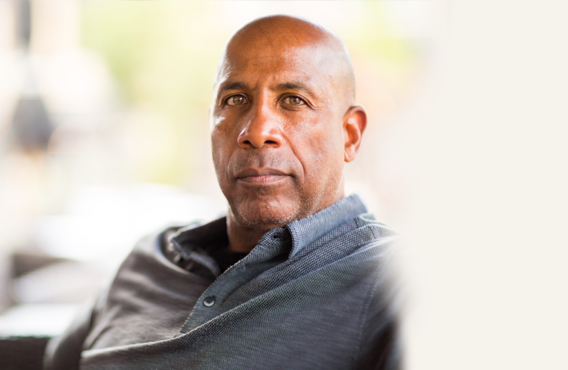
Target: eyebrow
237 85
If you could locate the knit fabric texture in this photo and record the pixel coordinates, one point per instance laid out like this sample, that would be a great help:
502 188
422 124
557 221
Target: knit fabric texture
315 294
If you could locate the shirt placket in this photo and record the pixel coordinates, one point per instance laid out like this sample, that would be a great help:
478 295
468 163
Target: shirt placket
210 303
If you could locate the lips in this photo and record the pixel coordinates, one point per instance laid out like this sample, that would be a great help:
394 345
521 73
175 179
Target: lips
261 176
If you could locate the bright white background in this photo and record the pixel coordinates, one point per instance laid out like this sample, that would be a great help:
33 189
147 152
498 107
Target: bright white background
487 170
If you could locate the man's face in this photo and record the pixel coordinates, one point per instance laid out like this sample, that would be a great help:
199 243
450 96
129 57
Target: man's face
277 136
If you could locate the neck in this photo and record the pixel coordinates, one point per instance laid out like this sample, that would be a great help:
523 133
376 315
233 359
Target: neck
241 239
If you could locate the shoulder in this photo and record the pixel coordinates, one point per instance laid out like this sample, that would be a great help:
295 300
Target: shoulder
379 344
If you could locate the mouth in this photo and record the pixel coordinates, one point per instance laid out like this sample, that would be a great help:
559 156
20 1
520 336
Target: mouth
262 176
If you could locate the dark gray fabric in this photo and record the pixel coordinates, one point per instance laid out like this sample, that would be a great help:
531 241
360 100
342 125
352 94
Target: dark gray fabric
313 295
22 353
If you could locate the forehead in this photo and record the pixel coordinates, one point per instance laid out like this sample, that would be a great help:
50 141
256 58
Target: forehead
276 65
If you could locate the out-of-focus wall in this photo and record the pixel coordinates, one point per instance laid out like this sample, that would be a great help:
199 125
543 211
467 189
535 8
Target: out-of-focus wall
485 208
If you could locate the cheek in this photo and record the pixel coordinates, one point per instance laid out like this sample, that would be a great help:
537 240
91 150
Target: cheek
319 148
219 152
323 138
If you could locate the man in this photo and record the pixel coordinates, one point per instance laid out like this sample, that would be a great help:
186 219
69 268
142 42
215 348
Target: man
295 276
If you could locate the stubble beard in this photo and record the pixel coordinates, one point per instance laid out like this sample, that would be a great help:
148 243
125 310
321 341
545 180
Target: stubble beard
266 217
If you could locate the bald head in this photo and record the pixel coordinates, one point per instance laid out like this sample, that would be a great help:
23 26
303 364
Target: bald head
286 37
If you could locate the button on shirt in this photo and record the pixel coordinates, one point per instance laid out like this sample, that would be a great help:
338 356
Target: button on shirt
315 294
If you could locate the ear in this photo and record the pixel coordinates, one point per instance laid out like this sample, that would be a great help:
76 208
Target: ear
354 123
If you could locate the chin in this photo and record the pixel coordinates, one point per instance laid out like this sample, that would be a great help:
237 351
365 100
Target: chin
265 217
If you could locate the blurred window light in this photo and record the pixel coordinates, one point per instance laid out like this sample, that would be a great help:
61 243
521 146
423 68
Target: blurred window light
37 319
104 223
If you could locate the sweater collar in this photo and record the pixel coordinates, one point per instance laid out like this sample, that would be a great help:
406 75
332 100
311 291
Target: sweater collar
299 234
307 230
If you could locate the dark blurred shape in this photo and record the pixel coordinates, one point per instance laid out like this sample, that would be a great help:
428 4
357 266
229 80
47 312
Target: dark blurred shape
6 275
25 262
22 353
23 23
31 124
16 265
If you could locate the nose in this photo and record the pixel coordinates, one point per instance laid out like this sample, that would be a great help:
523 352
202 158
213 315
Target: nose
262 129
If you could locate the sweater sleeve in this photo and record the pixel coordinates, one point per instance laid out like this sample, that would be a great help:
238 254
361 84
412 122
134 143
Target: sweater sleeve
380 346
63 352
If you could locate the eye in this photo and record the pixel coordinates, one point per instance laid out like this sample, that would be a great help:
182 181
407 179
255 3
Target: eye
236 100
294 100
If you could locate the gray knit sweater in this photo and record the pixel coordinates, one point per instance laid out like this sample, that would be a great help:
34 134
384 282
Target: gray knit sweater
316 294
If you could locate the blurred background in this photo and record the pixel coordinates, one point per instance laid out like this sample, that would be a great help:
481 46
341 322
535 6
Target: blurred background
104 137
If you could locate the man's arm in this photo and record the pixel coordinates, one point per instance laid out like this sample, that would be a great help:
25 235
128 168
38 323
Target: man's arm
380 346
64 351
